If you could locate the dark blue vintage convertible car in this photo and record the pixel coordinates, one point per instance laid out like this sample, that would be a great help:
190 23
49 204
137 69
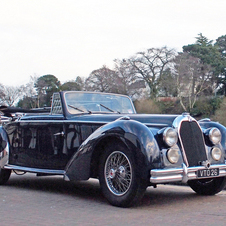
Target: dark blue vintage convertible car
97 135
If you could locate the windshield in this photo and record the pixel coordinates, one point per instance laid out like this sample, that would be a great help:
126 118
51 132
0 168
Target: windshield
78 102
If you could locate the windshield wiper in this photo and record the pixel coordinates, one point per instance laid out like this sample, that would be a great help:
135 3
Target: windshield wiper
78 109
109 109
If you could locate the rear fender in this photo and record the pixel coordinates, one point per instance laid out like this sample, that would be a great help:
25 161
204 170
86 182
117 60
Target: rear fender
134 135
4 148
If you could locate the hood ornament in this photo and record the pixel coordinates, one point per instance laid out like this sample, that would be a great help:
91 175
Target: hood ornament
186 114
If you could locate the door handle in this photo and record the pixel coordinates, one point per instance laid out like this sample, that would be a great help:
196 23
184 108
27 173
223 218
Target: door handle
59 134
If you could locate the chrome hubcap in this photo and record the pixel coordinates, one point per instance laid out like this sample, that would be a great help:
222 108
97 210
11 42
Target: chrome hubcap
112 173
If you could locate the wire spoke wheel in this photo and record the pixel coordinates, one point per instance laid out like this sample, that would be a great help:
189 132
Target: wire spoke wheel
4 175
209 186
119 177
118 173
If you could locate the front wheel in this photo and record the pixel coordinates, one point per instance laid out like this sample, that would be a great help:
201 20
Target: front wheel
118 177
4 175
208 186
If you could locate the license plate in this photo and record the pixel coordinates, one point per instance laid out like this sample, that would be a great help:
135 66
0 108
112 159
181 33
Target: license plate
208 172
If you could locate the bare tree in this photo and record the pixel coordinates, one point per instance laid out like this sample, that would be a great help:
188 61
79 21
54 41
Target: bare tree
150 65
2 94
167 86
103 80
10 95
29 94
129 84
123 70
192 79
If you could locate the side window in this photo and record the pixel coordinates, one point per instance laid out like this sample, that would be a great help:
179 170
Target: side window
56 105
73 137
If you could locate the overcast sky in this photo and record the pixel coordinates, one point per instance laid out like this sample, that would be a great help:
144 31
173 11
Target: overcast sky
72 38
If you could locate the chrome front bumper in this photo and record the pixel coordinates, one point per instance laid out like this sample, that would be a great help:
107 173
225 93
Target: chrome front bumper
183 174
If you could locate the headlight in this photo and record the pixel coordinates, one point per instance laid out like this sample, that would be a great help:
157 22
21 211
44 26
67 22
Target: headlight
215 136
216 153
173 155
170 136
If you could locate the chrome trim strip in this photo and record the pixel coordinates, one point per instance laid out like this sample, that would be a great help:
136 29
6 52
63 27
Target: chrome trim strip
87 122
63 121
41 120
84 121
34 170
155 125
183 174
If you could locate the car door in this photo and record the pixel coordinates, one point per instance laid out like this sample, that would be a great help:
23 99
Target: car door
39 144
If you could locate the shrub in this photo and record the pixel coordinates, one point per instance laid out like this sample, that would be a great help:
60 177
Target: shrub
206 107
220 113
147 106
169 105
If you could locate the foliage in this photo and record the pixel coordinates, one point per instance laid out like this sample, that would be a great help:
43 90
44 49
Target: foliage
204 50
27 102
169 105
221 46
206 107
76 85
212 55
163 105
219 115
45 86
171 82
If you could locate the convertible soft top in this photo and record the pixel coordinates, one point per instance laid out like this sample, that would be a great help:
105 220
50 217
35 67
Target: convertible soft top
8 111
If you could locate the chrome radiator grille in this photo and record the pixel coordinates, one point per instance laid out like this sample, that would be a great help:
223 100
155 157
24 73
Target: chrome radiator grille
191 138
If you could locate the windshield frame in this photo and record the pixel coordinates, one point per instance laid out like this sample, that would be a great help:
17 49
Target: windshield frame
103 103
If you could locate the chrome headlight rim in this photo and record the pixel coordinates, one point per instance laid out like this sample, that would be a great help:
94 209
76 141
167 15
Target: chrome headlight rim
170 136
215 135
173 155
216 153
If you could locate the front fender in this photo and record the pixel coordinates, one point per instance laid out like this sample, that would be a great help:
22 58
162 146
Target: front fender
4 148
208 124
135 135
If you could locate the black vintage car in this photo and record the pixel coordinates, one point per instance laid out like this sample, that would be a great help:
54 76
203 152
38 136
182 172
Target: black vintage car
97 135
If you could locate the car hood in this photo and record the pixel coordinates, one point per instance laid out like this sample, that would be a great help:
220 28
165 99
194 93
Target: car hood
148 119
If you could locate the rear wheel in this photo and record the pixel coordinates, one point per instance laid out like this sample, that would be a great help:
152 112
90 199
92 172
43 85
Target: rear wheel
208 186
4 175
118 177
